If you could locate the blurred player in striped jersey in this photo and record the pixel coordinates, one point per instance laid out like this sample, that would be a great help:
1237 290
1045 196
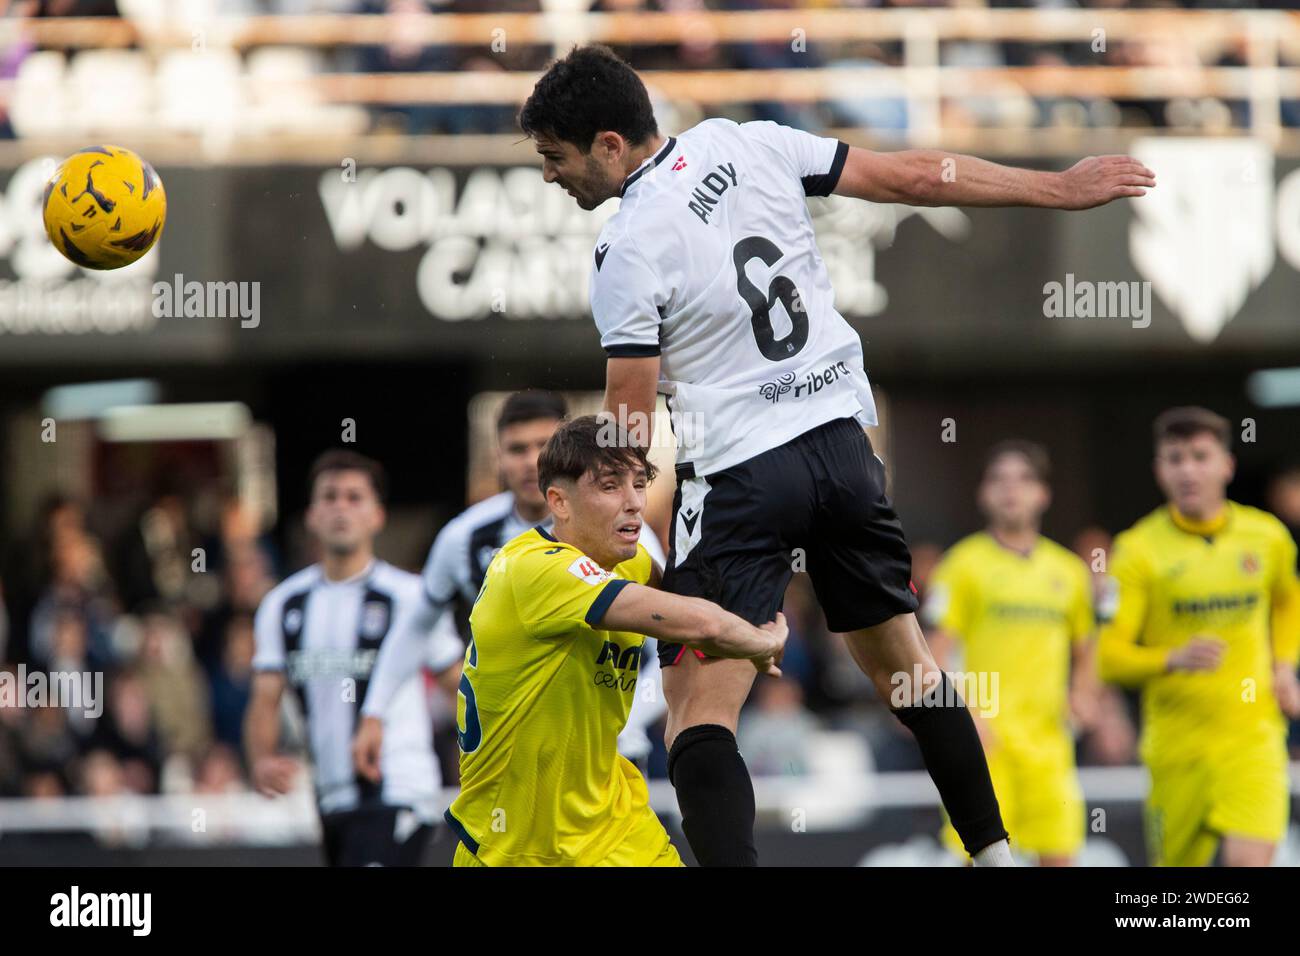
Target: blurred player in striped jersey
1207 624
1013 605
318 634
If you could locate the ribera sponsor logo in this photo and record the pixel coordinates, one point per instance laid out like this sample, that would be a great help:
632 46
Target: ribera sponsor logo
797 386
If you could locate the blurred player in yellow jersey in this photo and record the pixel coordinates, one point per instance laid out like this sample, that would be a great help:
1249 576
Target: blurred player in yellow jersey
1013 610
1207 623
551 670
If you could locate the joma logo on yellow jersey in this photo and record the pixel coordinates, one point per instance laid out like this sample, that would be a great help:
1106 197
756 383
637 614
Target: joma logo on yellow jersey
629 659
1217 603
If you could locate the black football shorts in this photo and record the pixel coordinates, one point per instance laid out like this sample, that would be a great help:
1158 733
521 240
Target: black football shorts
815 504
376 835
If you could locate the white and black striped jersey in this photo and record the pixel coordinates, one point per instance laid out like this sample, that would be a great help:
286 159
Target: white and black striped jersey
325 636
465 547
711 263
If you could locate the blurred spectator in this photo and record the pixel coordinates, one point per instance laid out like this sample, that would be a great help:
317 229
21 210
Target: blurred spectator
246 576
792 54
58 545
43 785
219 772
47 742
400 56
154 561
886 116
700 51
775 729
178 694
127 731
79 589
232 680
405 56
101 775
119 823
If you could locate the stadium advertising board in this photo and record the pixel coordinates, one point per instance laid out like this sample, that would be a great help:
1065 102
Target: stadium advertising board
290 263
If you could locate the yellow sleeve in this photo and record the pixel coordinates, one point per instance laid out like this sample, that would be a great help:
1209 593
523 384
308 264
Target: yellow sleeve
1120 658
559 591
947 598
1285 623
1083 622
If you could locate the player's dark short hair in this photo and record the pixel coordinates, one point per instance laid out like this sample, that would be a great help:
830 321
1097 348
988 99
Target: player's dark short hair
591 90
529 405
1040 463
589 444
1187 421
338 459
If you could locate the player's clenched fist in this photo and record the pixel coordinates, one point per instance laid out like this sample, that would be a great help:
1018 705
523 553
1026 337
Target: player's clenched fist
1098 180
1286 687
367 746
274 774
776 631
1201 653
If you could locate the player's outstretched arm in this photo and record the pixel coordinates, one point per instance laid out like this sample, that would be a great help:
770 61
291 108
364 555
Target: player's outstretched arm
697 623
931 177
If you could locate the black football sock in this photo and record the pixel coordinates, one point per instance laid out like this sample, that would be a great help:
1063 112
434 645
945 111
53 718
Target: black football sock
955 758
715 795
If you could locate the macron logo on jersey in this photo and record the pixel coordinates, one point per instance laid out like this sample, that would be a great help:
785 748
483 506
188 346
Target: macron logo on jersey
600 254
589 571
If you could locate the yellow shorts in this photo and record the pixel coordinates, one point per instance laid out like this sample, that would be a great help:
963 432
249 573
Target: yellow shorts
1241 791
647 844
1039 795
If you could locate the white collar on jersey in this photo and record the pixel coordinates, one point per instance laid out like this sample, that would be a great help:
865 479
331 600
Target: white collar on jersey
658 158
361 575
525 522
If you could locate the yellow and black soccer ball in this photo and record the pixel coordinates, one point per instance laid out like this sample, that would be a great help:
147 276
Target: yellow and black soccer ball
104 207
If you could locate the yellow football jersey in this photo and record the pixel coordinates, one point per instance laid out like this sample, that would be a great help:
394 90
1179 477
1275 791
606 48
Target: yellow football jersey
544 695
1015 617
1236 581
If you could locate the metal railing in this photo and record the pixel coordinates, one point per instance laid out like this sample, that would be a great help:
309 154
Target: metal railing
1265 40
829 800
